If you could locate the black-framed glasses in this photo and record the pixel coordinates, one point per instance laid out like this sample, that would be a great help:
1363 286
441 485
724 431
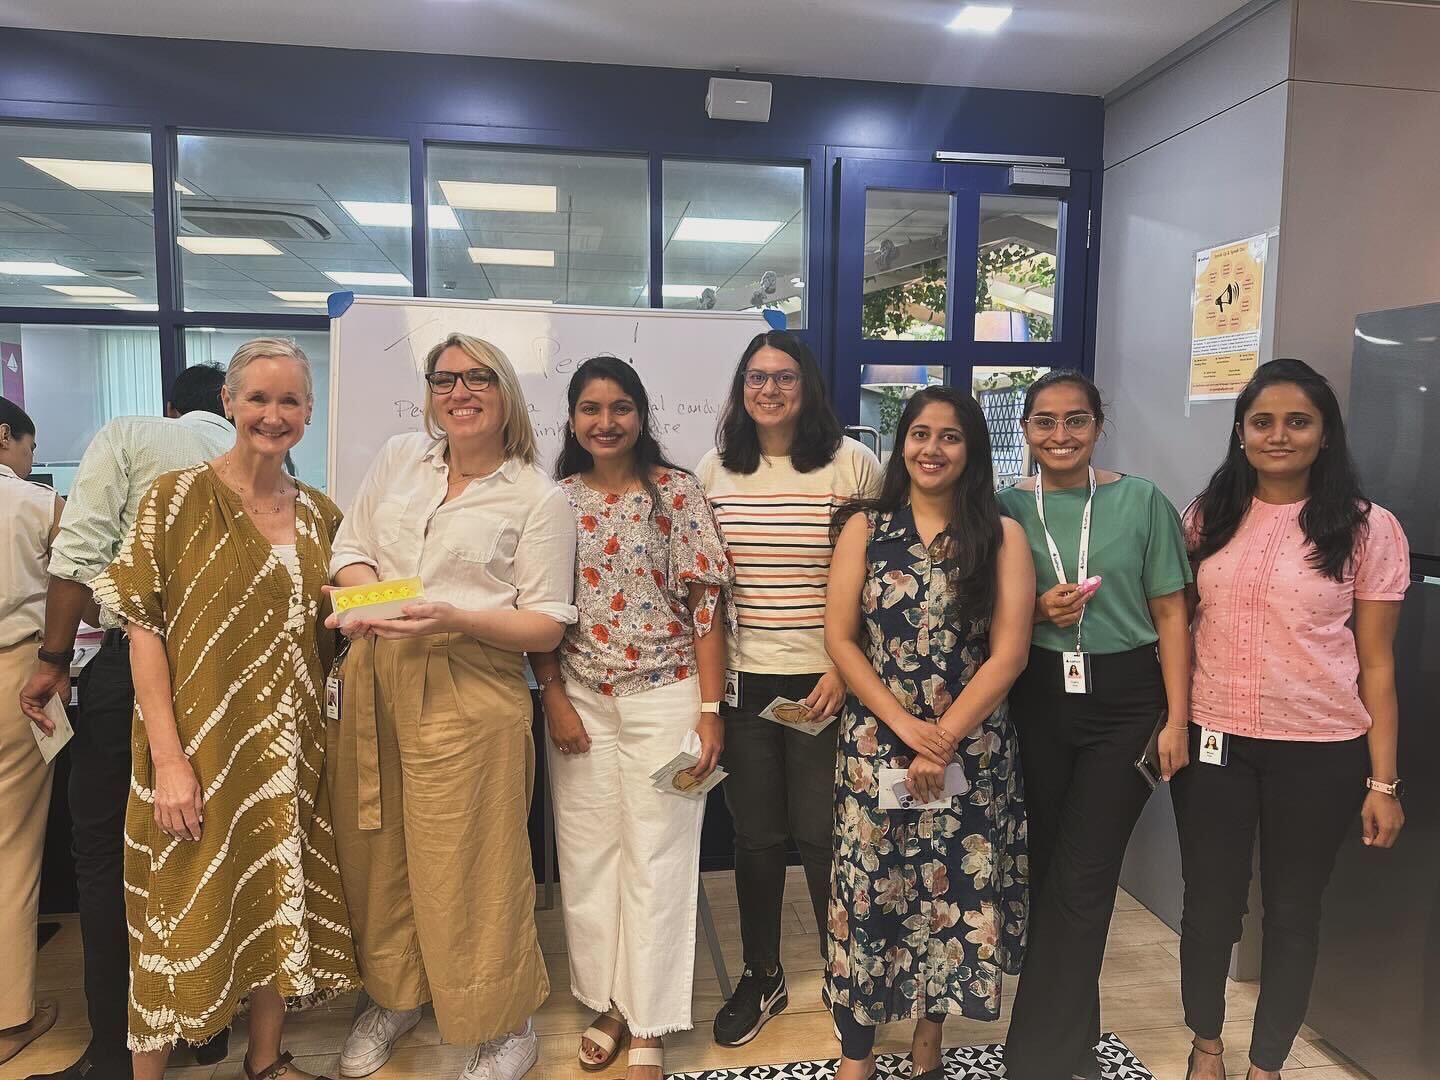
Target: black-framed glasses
476 378
1045 425
785 380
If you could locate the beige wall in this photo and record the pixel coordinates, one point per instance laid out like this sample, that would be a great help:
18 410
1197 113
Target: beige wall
1360 225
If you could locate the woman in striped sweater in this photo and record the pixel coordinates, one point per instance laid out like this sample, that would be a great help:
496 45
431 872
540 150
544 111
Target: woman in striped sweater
781 467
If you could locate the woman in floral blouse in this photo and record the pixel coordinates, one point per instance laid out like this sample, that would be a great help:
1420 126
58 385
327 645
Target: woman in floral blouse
927 618
642 670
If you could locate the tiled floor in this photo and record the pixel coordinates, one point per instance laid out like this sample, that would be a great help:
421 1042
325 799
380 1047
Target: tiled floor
1141 1003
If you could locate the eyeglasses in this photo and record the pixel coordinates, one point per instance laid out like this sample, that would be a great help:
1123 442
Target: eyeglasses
784 380
477 378
1045 425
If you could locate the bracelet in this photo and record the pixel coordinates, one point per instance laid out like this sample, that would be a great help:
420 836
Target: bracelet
1178 727
545 682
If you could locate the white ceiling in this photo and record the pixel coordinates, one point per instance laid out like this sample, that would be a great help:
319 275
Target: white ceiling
1068 46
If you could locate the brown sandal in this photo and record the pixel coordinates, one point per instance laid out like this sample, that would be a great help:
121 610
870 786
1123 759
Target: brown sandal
279 1067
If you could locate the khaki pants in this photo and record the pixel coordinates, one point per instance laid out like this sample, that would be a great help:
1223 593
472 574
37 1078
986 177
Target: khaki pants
24 807
431 770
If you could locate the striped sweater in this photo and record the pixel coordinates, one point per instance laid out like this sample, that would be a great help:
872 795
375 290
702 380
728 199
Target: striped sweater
776 523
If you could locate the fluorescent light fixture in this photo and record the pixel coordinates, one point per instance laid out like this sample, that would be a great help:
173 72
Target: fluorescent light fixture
38 269
980 18
137 307
682 292
366 277
131 176
512 256
525 198
397 215
301 297
227 245
93 291
508 300
726 230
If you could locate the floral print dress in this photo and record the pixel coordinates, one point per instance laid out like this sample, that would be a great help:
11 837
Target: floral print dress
927 908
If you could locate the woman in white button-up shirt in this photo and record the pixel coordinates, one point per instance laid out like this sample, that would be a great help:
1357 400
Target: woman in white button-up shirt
432 759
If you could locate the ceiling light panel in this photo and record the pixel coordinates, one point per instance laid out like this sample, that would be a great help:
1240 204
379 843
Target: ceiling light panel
128 176
524 198
301 297
511 257
725 230
97 292
359 277
38 269
980 18
227 245
397 215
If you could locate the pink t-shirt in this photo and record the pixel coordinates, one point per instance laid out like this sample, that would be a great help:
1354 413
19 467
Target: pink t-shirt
1274 654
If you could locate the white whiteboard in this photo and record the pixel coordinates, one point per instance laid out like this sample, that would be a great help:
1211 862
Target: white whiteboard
377 350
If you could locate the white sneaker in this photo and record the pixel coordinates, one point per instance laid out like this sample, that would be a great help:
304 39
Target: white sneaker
507 1058
372 1039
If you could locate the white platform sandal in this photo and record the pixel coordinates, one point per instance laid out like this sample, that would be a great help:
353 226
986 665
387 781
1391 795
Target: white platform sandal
646 1056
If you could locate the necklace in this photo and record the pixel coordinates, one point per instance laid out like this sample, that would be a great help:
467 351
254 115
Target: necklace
281 496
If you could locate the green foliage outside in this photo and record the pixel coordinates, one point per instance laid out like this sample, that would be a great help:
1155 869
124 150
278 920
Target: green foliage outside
886 310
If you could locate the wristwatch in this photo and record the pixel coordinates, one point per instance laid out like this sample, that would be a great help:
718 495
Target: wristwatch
1393 789
710 707
58 659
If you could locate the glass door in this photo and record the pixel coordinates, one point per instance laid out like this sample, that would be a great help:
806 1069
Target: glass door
952 274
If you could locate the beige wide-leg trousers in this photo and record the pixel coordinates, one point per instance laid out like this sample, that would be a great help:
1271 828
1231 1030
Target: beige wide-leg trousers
24 807
432 765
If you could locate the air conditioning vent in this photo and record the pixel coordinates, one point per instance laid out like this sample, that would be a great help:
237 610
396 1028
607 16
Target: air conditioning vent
280 223
117 273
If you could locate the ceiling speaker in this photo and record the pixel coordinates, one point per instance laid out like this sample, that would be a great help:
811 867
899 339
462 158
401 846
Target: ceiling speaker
738 99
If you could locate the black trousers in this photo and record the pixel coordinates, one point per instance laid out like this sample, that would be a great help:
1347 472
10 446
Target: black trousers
781 787
99 790
1082 799
1304 797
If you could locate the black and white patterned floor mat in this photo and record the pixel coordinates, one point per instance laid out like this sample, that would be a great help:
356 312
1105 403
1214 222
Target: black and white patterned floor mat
961 1063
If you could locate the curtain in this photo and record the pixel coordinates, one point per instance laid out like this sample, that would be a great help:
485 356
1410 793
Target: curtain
129 363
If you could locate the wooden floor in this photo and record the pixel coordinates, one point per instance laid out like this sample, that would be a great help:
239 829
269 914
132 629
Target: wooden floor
1141 1002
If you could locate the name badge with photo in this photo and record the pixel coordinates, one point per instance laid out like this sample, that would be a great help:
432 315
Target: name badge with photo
1075 666
1214 747
333 689
732 688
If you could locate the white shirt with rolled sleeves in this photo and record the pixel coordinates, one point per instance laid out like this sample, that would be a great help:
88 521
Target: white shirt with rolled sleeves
506 541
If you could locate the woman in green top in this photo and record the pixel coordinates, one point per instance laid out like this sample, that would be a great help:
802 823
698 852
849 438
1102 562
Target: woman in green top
1105 663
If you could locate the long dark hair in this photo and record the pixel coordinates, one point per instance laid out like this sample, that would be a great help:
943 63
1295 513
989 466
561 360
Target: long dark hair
818 433
1334 517
649 454
974 532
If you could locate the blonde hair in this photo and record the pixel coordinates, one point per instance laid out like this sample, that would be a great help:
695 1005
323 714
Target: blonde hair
518 433
260 349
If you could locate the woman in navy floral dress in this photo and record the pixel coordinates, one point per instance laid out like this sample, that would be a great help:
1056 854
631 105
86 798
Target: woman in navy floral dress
928 619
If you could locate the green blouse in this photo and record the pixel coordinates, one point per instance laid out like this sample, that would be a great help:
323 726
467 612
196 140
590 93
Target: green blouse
1136 545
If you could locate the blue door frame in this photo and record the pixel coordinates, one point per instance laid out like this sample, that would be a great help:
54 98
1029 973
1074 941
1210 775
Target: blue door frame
965 185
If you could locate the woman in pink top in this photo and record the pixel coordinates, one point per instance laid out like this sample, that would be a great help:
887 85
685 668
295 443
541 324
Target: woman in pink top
1285 702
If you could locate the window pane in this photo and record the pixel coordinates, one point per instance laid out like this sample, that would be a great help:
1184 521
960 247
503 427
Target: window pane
735 237
1001 393
76 217
275 224
72 380
520 225
1016 281
907 238
884 389
205 345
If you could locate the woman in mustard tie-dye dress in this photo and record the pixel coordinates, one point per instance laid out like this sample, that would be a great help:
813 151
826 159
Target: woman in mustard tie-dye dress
232 888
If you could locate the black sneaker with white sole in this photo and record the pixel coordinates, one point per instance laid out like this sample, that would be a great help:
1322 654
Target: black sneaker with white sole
757 997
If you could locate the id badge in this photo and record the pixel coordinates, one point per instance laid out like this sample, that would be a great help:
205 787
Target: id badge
334 686
1214 747
732 688
1075 666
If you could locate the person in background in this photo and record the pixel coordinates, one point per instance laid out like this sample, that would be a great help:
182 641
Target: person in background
232 893
1081 736
27 528
780 470
432 760
642 668
117 469
928 620
1289 555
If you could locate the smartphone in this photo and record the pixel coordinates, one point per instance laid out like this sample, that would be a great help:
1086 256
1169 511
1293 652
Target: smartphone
956 783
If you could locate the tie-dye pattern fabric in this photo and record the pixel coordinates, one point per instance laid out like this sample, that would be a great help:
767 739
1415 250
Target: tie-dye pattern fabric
257 900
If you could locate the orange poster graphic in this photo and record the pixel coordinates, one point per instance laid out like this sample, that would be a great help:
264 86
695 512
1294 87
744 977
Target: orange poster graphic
1226 308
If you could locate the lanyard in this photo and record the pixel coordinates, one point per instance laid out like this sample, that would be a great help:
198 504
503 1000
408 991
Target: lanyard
1083 563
